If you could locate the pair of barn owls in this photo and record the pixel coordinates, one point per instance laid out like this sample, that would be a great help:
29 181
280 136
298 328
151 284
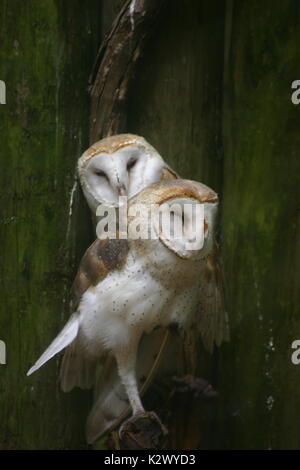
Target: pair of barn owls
125 289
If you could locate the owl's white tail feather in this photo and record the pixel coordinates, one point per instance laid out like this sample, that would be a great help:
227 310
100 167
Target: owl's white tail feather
63 339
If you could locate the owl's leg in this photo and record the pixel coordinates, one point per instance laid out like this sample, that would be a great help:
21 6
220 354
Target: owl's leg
126 362
144 429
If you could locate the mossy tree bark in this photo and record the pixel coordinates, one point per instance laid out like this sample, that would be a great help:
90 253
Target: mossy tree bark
230 124
260 227
47 51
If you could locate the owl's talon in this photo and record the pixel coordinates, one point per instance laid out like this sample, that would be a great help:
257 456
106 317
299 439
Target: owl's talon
129 422
142 431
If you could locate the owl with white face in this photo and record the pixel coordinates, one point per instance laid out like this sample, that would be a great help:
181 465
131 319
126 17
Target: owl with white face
124 165
127 288
120 165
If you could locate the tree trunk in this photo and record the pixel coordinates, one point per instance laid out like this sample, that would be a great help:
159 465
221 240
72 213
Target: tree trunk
212 94
116 64
47 52
260 227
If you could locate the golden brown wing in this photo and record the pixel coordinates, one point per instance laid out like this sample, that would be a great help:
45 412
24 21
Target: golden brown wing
100 258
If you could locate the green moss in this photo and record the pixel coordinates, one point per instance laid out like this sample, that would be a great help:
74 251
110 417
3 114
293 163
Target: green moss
261 190
181 102
47 50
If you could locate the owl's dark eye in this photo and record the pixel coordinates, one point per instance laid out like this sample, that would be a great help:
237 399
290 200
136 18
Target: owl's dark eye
131 163
101 173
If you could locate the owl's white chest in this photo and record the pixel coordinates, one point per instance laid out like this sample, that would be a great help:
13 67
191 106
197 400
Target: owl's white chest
131 301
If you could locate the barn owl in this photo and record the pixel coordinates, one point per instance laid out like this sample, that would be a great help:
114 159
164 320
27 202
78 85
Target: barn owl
125 288
120 165
125 164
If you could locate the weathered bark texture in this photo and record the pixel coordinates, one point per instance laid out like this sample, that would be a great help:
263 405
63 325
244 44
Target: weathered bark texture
228 123
116 63
47 51
260 386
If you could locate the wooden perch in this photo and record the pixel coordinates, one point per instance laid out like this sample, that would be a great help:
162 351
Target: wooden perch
142 432
116 64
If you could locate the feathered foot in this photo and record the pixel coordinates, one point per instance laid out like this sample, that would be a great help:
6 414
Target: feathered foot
142 431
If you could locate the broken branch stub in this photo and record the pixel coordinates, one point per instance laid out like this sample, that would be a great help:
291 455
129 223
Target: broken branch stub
116 63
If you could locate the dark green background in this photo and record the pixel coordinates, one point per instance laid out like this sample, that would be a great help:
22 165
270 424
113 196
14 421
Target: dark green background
213 95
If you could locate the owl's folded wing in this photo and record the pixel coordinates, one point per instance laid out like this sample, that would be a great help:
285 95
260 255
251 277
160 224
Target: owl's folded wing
99 259
213 319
